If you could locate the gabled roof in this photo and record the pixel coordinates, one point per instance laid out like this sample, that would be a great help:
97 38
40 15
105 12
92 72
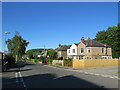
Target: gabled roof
62 48
76 44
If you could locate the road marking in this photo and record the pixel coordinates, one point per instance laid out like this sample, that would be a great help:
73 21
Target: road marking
86 72
104 76
16 75
97 74
115 76
22 79
111 77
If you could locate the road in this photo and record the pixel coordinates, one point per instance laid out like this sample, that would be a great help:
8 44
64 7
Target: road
45 76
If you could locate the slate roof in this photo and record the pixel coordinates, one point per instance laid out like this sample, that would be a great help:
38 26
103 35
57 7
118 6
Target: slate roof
92 43
62 48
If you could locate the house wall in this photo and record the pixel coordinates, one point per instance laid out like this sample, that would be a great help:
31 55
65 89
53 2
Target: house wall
98 51
57 61
94 51
81 45
59 53
62 54
72 47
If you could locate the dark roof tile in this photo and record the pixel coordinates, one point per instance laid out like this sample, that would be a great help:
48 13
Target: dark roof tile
93 43
62 48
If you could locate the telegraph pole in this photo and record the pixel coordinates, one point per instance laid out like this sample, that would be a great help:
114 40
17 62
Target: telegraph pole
44 54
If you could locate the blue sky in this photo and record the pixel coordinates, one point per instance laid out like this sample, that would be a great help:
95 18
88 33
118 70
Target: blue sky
50 23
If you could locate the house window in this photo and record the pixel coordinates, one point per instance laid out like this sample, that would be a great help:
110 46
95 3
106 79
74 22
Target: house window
73 50
81 50
69 51
88 50
102 50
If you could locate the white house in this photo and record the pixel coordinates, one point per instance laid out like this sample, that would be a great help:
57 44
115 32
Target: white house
72 52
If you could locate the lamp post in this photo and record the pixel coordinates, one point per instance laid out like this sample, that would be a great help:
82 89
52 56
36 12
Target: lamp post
5 40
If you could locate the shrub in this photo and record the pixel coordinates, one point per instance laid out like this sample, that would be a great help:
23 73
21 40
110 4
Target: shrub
50 60
58 64
49 63
41 58
10 59
60 58
68 60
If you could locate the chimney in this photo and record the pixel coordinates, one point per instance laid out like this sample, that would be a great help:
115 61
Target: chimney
89 38
82 39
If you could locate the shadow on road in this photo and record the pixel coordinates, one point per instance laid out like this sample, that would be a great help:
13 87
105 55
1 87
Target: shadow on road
51 81
16 70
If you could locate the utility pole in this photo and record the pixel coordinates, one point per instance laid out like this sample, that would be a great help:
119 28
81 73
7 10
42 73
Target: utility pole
44 54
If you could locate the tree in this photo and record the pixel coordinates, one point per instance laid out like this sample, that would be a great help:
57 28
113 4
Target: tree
30 54
111 36
17 45
52 54
101 36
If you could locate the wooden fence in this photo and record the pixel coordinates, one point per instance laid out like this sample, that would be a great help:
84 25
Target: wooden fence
68 64
95 63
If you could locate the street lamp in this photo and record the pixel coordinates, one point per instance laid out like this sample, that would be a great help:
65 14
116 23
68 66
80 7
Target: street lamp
5 39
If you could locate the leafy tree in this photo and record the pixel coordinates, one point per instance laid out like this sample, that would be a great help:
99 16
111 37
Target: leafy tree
30 54
17 45
42 58
52 54
111 36
101 36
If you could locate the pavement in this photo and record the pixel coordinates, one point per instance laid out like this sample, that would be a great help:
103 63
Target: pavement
35 75
108 71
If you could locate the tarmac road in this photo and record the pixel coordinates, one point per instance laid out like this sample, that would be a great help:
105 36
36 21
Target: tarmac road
45 76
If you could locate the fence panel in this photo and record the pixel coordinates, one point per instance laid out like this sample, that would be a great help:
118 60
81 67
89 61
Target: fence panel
95 63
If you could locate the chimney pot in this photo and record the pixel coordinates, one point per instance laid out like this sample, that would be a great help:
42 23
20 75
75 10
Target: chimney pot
82 39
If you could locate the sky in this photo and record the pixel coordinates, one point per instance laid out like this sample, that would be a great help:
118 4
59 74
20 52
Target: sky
51 23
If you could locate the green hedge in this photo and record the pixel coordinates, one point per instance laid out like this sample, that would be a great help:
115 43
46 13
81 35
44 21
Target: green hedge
68 60
33 60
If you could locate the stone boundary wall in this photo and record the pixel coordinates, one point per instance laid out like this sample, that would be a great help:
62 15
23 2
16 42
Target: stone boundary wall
57 61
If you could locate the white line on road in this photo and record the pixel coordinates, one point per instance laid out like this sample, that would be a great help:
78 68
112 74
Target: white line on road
86 72
22 79
16 75
97 74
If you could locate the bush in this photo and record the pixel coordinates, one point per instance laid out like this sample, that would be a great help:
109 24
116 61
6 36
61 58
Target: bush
10 59
41 58
68 60
49 60
49 63
58 64
60 58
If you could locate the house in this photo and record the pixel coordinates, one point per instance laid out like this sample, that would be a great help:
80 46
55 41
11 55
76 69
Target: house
72 52
25 56
91 49
62 51
39 54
